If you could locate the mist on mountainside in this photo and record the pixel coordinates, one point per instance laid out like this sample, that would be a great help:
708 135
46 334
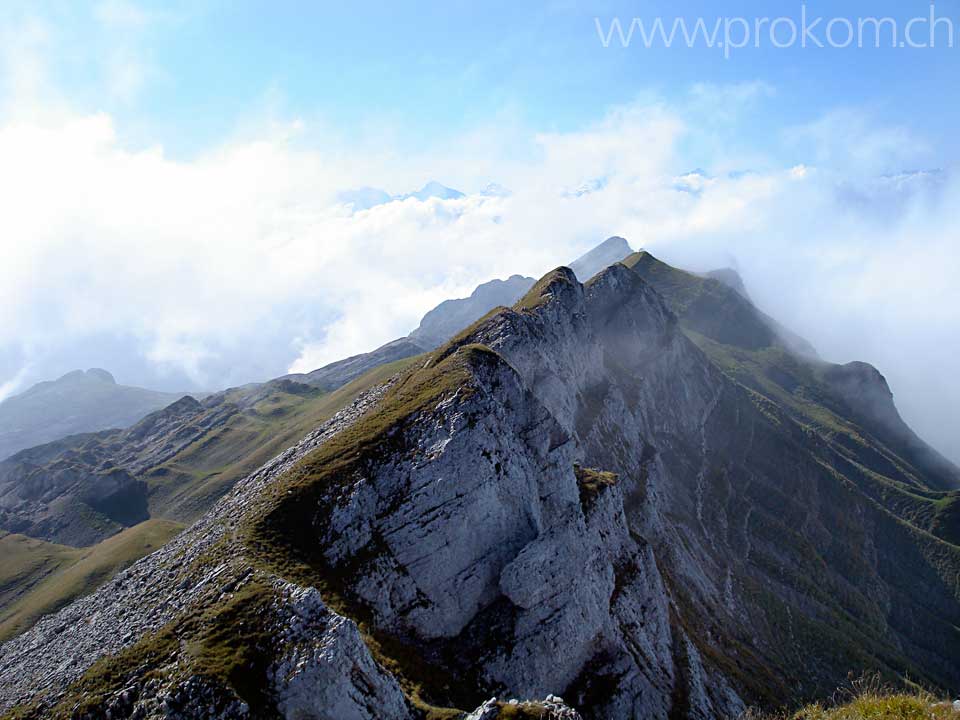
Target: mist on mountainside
872 281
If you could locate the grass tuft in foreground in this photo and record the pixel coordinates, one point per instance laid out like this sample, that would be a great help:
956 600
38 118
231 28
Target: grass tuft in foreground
869 699
882 707
523 711
591 483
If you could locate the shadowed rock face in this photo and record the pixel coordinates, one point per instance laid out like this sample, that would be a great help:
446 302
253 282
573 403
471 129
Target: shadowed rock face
572 497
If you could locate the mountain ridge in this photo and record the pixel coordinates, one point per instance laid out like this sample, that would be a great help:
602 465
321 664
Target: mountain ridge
446 319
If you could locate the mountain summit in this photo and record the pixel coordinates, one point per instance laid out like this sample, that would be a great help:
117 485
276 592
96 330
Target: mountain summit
610 251
433 189
450 316
601 493
367 197
80 401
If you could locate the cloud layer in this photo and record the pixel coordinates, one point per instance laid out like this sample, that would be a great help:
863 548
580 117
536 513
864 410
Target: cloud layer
240 264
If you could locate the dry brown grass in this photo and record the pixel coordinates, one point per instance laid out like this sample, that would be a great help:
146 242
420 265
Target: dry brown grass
868 698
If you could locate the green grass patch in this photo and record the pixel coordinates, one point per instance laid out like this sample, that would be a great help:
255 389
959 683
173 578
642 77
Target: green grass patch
231 644
26 563
43 577
591 482
945 523
184 487
544 289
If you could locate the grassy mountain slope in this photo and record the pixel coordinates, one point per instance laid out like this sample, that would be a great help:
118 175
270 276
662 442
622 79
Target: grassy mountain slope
173 464
26 562
850 404
39 578
187 484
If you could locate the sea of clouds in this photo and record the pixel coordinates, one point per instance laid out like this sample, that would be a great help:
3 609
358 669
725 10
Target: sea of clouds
239 263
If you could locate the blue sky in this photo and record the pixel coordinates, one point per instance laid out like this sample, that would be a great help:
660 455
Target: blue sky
428 71
171 177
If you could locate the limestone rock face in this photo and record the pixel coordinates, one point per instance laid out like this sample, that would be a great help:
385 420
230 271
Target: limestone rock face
325 671
553 708
486 507
475 530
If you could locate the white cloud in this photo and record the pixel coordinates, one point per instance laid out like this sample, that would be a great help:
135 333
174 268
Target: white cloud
238 264
202 260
